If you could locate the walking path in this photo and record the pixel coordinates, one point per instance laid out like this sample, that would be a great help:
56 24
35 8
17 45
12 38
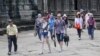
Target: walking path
28 45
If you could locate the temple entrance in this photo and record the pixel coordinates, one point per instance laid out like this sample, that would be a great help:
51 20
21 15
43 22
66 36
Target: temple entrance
75 4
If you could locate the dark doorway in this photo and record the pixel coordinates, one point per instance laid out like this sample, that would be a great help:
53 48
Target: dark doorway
75 4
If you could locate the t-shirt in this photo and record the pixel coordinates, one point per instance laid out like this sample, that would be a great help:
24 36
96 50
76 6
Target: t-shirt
59 26
38 23
45 26
91 22
79 21
51 23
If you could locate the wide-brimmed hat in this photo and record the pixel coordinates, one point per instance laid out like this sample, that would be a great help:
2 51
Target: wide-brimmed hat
78 13
91 15
9 20
59 15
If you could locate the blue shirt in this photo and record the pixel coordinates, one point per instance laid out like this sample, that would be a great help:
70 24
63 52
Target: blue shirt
51 22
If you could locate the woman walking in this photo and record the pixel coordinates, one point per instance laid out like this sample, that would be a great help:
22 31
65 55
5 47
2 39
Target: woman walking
78 24
65 18
91 26
38 25
51 28
45 34
59 29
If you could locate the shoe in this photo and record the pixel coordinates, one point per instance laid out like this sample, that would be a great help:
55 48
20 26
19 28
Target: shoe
54 43
79 38
9 53
49 52
15 52
41 53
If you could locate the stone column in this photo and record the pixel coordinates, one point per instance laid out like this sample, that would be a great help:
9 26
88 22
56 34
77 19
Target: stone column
40 4
66 5
35 1
58 5
45 5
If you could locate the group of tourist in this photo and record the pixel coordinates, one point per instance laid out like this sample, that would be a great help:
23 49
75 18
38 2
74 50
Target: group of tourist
88 21
56 25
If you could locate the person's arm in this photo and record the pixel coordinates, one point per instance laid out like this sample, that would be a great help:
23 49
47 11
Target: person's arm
16 31
81 23
7 32
95 26
55 26
35 25
64 24
87 25
75 22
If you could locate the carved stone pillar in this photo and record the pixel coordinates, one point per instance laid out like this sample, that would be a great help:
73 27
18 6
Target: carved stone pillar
45 5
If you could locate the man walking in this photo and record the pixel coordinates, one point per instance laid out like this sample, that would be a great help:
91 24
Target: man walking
12 32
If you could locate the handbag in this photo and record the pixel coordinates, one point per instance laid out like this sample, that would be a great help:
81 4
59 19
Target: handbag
77 26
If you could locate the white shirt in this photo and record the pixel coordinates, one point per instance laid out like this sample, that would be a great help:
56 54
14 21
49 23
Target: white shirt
80 21
44 25
86 18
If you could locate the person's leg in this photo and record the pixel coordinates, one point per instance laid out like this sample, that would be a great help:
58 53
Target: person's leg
92 34
9 45
61 40
66 29
53 36
79 33
89 32
43 40
58 38
47 41
39 33
15 43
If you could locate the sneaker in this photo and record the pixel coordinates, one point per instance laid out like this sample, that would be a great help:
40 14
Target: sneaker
9 53
79 38
41 53
49 52
15 52
54 43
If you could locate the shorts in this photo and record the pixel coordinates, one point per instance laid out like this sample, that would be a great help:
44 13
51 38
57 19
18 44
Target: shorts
45 34
60 37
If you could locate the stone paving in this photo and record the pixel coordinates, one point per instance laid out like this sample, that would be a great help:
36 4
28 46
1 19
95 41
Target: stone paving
28 45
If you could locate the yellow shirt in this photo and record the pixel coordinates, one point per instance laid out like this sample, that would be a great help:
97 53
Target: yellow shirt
12 30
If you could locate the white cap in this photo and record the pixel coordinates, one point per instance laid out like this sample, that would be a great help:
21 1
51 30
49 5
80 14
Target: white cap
64 15
39 15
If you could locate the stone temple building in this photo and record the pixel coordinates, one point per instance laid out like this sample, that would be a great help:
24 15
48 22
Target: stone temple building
20 10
